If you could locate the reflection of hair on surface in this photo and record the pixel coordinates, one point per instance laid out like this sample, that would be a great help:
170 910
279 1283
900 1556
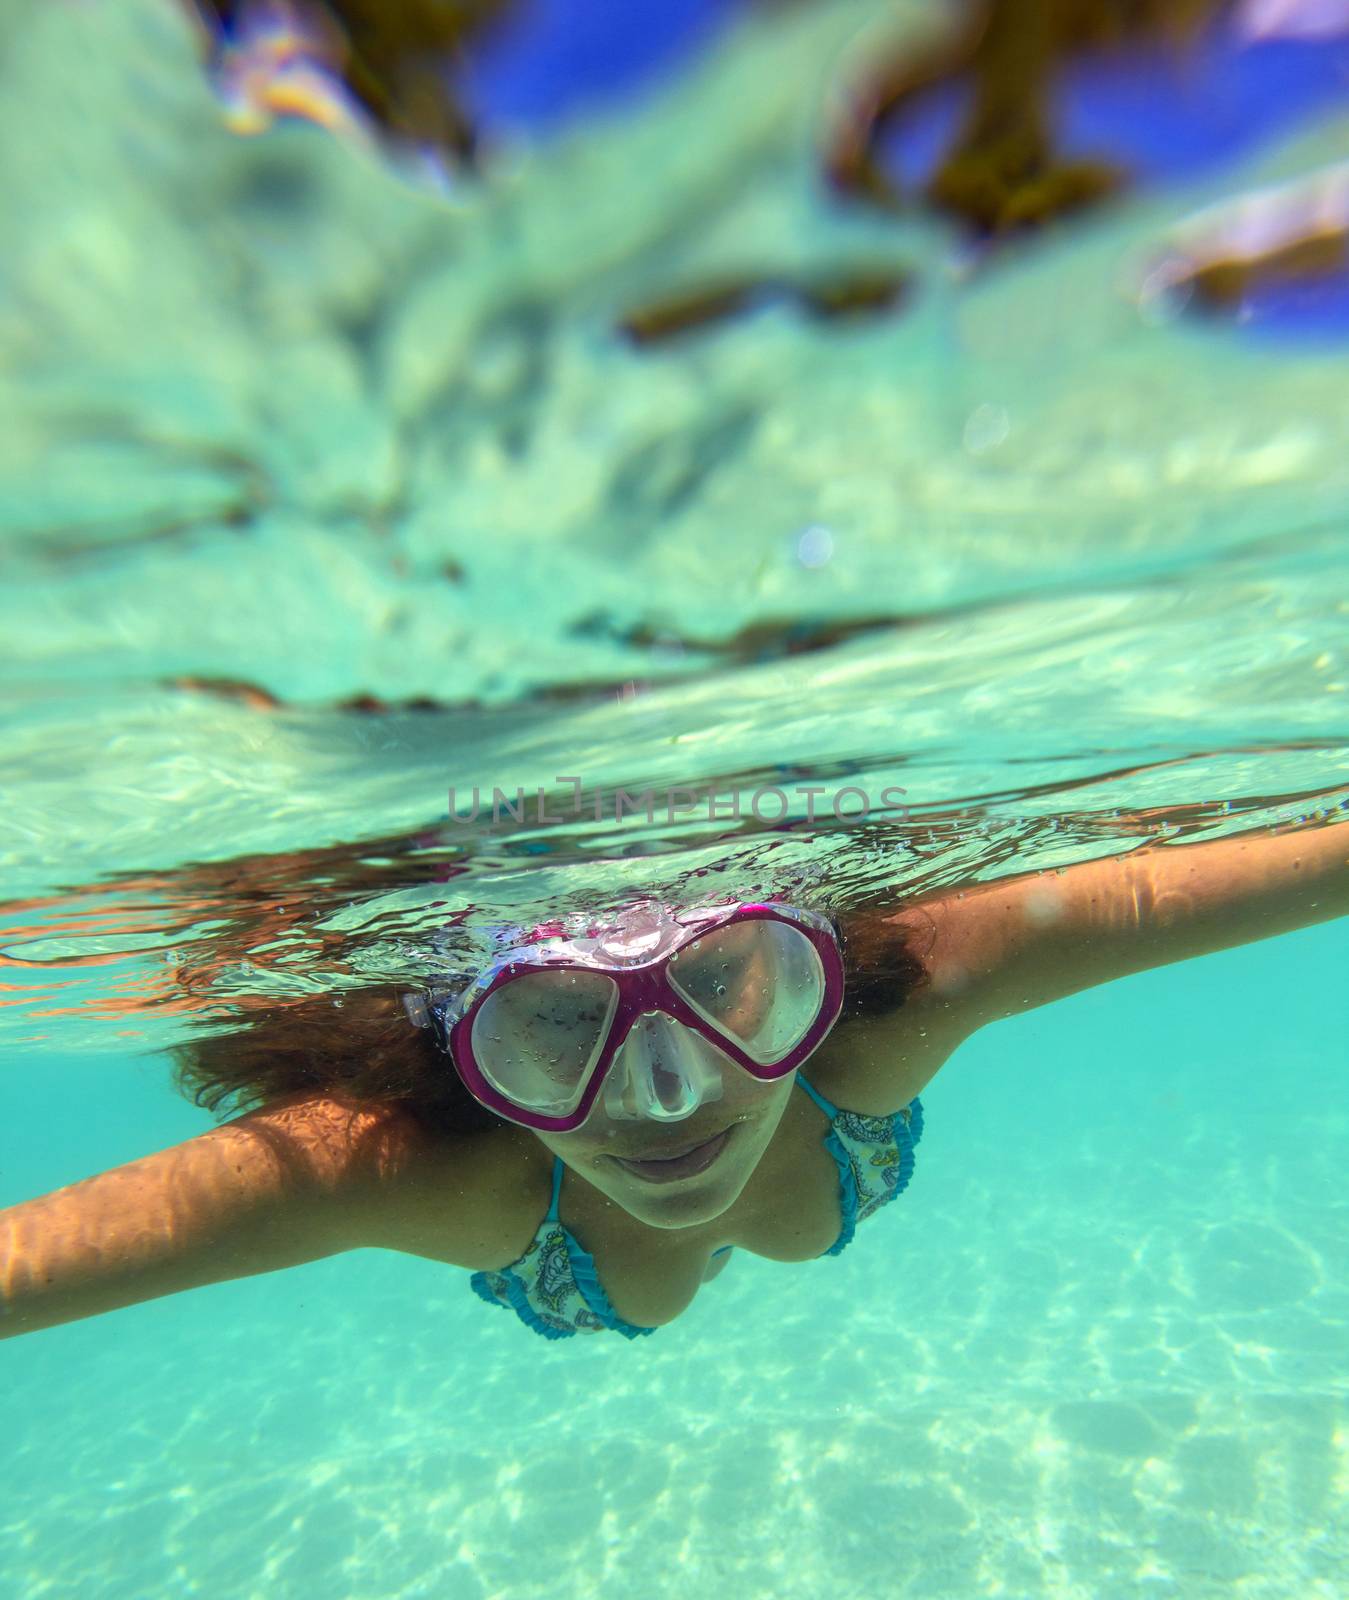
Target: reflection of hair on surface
1003 170
237 690
394 58
214 942
837 295
1294 233
769 639
753 644
683 310
390 69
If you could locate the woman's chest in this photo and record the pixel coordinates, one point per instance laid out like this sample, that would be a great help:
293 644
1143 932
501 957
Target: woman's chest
791 1210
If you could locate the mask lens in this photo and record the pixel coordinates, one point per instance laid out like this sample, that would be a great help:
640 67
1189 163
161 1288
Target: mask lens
758 981
536 1038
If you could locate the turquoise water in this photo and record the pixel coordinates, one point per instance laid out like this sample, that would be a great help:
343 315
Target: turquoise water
271 417
1097 1349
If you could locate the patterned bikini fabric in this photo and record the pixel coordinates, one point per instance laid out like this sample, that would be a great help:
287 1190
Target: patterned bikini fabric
555 1290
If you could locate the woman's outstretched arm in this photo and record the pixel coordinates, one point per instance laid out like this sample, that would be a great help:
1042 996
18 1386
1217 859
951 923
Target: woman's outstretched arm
272 1189
997 949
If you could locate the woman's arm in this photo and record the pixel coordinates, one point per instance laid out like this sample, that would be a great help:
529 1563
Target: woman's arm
997 949
272 1189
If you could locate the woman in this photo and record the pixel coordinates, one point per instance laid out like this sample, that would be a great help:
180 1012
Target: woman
669 1108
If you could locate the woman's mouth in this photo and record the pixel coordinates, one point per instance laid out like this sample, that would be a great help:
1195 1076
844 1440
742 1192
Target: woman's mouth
686 1165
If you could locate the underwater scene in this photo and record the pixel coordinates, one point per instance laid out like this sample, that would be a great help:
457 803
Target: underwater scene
507 492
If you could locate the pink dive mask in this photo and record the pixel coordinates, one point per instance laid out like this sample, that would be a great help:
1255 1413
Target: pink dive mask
648 1009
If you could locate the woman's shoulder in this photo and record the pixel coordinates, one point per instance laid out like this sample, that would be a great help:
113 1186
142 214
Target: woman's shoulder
473 1199
876 1065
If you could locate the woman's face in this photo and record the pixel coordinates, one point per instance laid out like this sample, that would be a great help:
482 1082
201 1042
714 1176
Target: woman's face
727 974
747 1115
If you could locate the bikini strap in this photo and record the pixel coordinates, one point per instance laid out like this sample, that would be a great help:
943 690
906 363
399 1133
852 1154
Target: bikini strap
558 1168
830 1111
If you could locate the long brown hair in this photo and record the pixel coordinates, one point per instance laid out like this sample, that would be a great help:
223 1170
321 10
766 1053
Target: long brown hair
362 1044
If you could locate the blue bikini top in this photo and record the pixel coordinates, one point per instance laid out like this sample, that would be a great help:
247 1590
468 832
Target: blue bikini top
554 1289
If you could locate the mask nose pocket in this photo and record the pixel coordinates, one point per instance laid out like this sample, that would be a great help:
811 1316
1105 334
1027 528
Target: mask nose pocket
664 1071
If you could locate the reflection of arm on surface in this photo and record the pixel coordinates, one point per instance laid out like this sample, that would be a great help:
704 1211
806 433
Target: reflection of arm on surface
268 1190
996 949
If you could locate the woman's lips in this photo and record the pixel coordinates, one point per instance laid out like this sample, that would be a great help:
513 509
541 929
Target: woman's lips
688 1165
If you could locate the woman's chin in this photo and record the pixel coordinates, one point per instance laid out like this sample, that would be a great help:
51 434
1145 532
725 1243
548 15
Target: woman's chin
679 1208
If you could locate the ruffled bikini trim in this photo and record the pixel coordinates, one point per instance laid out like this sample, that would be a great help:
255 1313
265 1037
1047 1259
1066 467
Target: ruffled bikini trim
906 1129
587 1282
508 1290
513 1296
